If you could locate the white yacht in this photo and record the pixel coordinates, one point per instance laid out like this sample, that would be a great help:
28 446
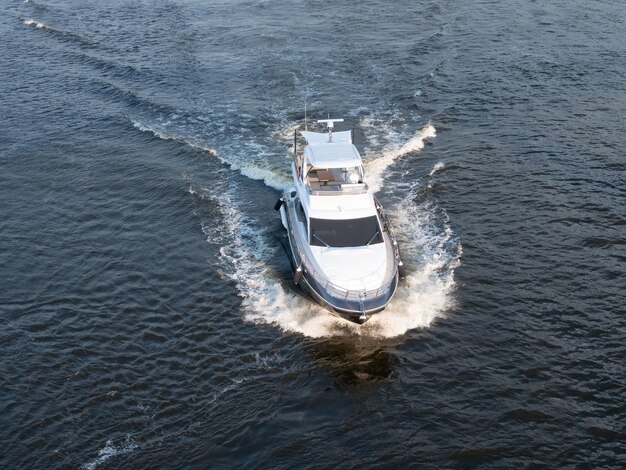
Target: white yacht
341 247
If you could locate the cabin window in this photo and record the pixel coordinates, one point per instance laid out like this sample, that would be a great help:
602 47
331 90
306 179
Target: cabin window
345 232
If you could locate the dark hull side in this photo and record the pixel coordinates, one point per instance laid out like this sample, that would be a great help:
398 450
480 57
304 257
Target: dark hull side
355 317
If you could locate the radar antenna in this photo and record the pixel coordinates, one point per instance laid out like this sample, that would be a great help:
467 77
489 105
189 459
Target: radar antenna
330 123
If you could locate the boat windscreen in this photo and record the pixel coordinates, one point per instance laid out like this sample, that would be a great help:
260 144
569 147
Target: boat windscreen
345 232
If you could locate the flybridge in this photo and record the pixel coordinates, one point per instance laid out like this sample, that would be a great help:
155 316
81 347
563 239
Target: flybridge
320 138
329 164
338 155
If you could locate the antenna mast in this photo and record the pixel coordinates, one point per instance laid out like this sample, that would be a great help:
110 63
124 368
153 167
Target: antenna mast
330 123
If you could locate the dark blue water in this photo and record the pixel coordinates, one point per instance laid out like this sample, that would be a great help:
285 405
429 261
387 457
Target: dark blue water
147 316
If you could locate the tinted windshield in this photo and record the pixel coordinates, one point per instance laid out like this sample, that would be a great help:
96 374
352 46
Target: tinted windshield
345 233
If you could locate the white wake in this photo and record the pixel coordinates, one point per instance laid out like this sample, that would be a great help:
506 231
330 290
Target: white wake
375 168
33 23
423 296
250 159
430 250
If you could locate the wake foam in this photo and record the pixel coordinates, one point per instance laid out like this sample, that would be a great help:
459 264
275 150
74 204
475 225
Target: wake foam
430 251
422 297
34 24
375 168
438 166
248 244
250 159
431 256
63 35
109 451
161 131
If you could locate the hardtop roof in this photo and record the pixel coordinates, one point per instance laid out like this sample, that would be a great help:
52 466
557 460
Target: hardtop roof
340 153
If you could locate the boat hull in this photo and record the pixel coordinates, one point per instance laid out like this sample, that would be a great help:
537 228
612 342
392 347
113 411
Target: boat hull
359 317
349 305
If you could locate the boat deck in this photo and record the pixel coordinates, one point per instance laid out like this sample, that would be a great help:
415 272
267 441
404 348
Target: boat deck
333 180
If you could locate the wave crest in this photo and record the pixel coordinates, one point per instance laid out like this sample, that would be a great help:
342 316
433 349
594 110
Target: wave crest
375 168
33 23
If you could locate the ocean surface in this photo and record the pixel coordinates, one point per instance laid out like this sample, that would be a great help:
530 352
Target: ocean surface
148 317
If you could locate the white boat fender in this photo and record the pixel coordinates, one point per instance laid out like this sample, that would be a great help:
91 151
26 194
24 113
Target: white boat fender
297 276
401 269
279 203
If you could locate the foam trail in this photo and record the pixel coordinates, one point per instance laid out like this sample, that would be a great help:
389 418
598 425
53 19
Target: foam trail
246 246
245 249
425 294
160 133
285 133
270 177
431 250
109 451
438 166
375 169
33 23
255 167
375 128
422 297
